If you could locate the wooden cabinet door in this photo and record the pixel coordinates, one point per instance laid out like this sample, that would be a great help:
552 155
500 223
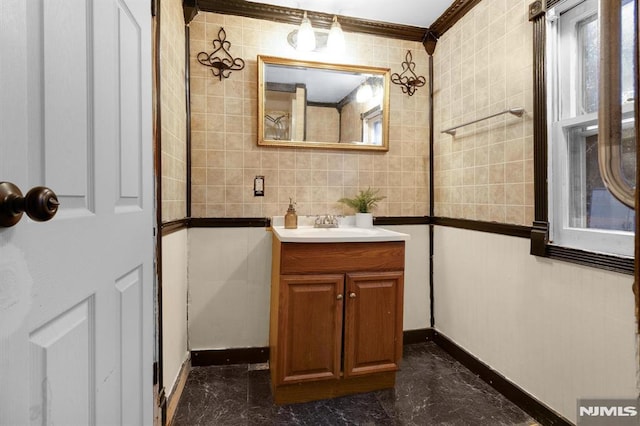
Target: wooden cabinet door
310 327
373 322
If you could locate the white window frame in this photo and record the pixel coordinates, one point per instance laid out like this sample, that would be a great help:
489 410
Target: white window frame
561 233
369 120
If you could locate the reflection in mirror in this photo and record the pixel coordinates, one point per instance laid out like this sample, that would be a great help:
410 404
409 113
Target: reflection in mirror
312 104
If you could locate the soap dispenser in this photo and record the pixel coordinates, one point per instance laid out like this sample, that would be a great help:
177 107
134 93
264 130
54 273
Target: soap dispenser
291 218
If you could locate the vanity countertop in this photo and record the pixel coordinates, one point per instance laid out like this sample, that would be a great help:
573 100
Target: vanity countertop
343 234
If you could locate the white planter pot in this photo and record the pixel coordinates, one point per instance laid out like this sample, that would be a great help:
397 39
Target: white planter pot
364 220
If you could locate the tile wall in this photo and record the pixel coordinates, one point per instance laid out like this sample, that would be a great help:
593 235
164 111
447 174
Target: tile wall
323 124
226 157
173 110
483 65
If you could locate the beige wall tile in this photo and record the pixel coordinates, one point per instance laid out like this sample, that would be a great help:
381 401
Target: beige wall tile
224 123
173 126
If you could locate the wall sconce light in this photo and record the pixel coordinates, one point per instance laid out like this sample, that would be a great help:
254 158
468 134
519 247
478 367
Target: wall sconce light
335 43
371 90
364 93
306 35
221 66
306 39
408 79
378 94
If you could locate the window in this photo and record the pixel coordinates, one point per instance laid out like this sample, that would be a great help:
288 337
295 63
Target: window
584 214
372 126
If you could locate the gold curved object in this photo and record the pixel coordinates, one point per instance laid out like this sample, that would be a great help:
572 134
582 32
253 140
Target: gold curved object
609 108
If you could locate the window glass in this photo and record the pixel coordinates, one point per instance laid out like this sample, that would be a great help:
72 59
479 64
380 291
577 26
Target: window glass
591 205
589 40
628 29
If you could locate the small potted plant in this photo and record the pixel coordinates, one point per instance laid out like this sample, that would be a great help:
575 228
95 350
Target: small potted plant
363 203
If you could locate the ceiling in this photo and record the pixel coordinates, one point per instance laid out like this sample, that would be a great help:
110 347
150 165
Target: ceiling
418 13
325 86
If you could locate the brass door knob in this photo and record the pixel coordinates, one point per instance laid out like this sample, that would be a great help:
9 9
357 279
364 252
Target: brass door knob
40 204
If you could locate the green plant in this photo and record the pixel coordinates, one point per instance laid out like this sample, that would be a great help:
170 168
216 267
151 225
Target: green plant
365 201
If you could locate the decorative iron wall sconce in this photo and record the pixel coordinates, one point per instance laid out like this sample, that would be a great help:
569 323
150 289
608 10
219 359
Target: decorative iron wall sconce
221 66
408 79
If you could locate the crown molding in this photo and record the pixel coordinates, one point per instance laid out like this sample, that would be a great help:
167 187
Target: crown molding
248 9
453 14
320 20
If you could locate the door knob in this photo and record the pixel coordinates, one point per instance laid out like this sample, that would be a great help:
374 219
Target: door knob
40 204
352 295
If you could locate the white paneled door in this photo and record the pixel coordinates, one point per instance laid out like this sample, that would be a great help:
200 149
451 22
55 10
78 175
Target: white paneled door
76 292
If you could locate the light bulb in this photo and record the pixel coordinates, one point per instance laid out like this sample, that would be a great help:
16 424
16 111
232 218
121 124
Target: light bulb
378 94
364 93
306 36
335 43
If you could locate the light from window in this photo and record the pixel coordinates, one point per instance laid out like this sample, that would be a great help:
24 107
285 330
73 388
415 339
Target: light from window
591 206
589 41
372 127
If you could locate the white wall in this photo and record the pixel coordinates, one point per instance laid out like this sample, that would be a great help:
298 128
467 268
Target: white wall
230 278
417 310
559 331
174 306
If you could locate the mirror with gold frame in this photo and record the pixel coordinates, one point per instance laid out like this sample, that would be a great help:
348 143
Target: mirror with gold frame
321 105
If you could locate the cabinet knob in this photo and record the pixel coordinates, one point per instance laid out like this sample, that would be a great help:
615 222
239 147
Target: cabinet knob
339 297
352 295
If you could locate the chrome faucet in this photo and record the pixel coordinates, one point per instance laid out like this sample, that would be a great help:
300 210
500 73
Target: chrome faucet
326 221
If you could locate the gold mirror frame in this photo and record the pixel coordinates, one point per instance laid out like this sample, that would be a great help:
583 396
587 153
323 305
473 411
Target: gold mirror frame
263 140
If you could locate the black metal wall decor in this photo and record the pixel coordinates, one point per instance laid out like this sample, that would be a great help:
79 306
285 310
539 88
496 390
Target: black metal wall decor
221 66
408 79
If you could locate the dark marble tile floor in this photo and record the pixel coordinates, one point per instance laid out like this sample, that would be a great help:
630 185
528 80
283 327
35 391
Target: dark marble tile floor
431 389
